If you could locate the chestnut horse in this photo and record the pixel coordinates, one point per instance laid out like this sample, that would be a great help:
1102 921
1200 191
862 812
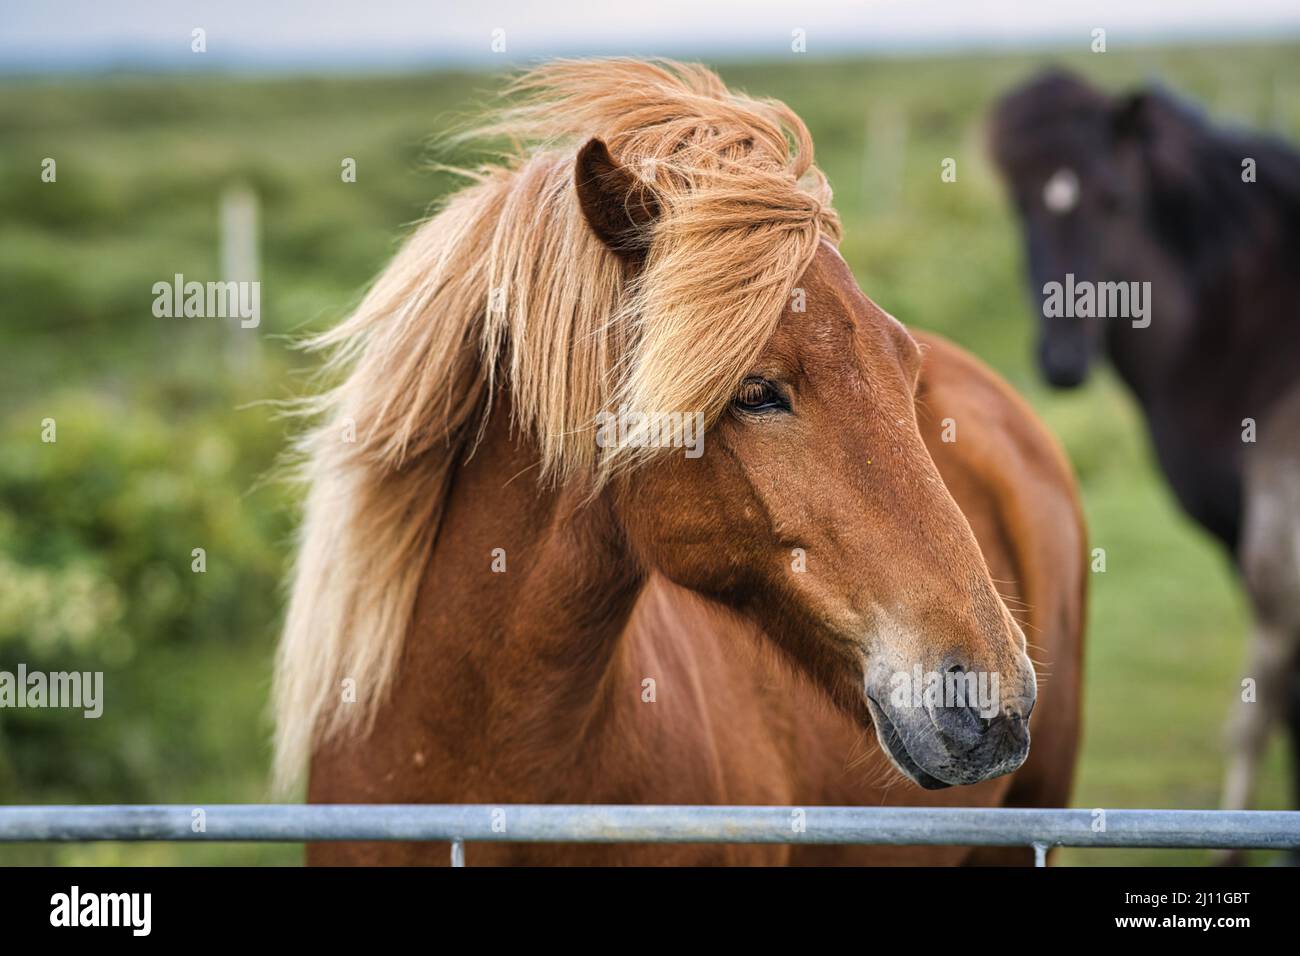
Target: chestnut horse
494 604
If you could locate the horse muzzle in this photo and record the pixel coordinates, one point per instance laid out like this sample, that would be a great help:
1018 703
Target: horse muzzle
939 741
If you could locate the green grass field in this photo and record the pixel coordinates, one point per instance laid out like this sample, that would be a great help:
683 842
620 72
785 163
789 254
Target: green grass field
165 441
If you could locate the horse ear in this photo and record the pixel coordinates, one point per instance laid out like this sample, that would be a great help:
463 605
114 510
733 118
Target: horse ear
619 207
1163 133
1130 117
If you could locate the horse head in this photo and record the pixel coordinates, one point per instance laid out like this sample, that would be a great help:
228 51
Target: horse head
815 508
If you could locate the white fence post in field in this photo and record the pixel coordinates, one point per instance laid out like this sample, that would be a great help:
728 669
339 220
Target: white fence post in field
1283 97
972 158
885 161
240 262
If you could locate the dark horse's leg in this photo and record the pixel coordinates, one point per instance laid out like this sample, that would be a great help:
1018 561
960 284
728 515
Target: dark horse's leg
1293 732
1270 565
1293 727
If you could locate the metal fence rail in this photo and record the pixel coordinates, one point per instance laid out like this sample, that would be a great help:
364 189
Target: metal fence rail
525 823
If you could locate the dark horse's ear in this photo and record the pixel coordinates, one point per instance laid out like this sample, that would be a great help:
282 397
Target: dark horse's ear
1165 135
1131 116
617 205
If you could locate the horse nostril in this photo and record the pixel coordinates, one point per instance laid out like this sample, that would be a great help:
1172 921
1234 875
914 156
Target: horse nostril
1012 724
1019 708
961 719
1012 727
1064 364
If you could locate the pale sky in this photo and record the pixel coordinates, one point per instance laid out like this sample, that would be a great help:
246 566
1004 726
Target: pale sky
320 34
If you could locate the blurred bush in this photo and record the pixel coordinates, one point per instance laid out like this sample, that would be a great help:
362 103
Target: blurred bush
97 535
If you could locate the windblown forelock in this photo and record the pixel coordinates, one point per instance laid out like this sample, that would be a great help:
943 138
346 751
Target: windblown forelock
742 210
741 207
718 278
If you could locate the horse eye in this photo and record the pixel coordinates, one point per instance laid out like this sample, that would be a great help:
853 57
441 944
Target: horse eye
759 395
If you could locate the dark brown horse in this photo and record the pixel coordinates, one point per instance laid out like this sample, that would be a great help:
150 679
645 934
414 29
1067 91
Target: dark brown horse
1142 189
558 618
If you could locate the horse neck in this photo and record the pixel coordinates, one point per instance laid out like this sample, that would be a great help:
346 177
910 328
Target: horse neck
528 649
1227 292
1220 349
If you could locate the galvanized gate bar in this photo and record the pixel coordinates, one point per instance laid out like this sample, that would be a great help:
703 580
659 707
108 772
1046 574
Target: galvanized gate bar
897 826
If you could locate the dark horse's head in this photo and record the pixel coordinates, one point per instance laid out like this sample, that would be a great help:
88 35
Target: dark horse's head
1109 190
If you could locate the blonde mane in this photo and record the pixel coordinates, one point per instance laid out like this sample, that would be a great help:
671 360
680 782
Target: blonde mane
508 288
